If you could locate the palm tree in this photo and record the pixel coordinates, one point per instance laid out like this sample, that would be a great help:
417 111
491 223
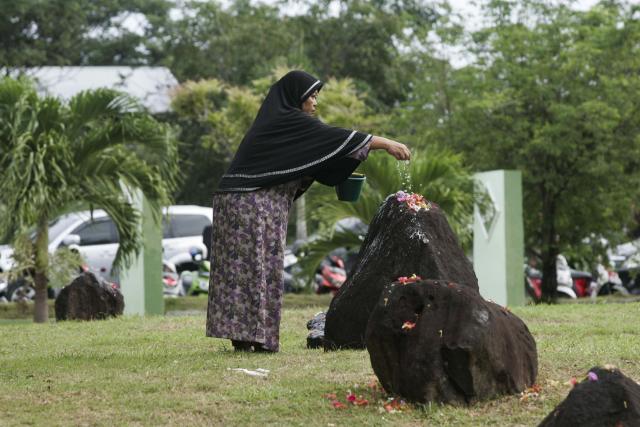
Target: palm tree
56 156
436 173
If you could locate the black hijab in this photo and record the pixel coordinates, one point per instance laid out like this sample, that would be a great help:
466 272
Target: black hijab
284 143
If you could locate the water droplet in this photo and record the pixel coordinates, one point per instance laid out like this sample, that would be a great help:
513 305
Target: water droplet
404 170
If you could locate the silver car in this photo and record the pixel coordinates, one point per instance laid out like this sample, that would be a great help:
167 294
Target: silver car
97 238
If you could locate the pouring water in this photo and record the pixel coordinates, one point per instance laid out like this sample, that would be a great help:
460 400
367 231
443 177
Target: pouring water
404 170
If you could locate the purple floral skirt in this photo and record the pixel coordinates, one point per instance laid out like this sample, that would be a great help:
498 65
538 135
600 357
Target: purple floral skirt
247 252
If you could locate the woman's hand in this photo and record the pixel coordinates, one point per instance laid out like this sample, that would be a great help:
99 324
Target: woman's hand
394 148
399 151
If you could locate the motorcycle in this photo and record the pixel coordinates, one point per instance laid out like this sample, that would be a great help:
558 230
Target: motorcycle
570 281
4 285
170 280
290 264
194 276
607 282
22 289
630 277
330 275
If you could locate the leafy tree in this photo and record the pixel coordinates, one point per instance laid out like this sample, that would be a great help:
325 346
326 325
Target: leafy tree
235 45
244 41
553 93
76 32
54 156
365 41
214 117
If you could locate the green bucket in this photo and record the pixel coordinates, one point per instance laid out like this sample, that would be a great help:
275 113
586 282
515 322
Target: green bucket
349 189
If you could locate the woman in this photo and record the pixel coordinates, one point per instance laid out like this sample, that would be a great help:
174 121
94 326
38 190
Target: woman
283 152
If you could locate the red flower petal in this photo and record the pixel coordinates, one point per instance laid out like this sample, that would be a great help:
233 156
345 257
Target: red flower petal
407 326
361 402
338 405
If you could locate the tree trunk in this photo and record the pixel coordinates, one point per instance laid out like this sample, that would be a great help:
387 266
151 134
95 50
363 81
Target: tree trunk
41 309
549 275
301 219
549 254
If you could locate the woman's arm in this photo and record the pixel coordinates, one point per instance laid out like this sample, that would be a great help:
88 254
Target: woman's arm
396 149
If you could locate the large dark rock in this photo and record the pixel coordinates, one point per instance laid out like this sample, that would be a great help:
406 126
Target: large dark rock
400 242
455 347
88 298
610 400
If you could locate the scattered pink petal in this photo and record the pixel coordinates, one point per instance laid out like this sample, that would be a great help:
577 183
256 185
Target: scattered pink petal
414 201
394 405
374 385
338 405
361 402
404 279
592 376
532 392
407 326
351 397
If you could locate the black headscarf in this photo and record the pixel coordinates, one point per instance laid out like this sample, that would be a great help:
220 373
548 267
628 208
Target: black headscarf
284 143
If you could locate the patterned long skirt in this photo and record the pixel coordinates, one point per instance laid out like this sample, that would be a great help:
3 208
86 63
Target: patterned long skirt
247 253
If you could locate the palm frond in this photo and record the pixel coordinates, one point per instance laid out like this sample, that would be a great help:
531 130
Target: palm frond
437 174
53 156
110 197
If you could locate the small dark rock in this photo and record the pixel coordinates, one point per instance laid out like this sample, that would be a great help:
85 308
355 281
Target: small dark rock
437 341
88 298
613 399
400 242
317 322
315 339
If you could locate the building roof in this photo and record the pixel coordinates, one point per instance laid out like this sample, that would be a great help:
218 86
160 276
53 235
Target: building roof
151 85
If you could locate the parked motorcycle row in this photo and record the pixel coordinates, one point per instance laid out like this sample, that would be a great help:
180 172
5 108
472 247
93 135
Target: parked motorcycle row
188 274
21 289
624 280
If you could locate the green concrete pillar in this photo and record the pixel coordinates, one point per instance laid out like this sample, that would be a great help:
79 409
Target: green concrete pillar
141 284
498 237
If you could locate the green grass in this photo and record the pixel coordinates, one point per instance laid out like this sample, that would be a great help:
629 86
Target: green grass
24 310
164 371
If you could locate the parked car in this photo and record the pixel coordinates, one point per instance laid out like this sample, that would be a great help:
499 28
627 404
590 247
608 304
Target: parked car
97 238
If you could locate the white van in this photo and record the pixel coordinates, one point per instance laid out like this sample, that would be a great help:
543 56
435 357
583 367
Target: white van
97 237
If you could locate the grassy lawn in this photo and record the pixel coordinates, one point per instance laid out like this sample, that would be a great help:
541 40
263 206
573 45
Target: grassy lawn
163 371
14 311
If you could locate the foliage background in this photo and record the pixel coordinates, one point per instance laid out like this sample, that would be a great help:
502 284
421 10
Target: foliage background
547 89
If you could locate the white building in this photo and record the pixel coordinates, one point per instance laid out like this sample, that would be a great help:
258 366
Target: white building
151 85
